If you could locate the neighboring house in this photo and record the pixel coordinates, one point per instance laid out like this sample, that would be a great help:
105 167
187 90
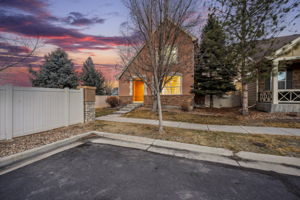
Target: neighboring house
115 91
177 91
280 92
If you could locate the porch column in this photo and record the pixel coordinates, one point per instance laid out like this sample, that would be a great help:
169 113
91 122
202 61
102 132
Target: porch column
275 82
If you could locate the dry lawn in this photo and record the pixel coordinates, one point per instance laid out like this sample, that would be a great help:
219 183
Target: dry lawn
268 144
105 111
223 117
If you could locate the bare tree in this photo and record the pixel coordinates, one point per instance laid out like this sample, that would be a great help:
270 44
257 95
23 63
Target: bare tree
16 50
156 26
109 86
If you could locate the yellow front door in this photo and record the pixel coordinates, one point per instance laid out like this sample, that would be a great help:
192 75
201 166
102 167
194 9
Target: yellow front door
138 91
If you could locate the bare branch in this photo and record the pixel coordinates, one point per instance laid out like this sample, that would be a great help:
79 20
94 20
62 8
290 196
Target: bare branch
15 51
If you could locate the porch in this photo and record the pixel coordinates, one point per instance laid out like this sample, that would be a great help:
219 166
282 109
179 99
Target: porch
283 92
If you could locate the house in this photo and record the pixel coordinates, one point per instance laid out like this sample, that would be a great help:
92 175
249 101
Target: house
177 90
280 92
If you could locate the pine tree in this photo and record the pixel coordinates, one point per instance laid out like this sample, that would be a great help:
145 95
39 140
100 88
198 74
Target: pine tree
214 73
91 77
56 72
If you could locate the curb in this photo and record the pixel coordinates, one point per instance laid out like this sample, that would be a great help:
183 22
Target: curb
265 162
292 161
280 164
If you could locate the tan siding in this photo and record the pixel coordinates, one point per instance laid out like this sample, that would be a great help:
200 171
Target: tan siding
293 52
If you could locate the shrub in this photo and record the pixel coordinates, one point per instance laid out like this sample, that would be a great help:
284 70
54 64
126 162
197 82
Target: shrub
186 107
113 101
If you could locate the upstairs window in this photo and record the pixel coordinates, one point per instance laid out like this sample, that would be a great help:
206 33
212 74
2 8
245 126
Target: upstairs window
171 54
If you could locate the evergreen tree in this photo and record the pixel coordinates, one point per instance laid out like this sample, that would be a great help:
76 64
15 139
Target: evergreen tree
56 72
214 73
91 77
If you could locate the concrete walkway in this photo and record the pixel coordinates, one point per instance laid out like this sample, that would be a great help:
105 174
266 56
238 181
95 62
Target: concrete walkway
206 127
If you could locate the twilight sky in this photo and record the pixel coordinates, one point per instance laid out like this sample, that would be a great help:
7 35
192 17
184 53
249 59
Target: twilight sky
81 27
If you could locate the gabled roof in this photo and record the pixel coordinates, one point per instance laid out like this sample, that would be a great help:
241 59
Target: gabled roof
279 44
133 58
129 63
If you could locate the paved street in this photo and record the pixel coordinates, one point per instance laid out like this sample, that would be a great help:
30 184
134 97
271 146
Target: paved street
96 171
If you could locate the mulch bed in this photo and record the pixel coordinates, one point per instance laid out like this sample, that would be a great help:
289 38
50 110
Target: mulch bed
23 143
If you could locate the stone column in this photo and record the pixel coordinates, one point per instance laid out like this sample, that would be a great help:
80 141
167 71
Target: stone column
275 82
89 94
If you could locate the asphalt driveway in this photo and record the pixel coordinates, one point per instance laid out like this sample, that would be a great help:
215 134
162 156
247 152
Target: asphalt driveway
94 171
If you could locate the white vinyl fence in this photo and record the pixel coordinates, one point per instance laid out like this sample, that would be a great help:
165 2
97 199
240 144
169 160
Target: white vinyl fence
25 111
101 101
226 101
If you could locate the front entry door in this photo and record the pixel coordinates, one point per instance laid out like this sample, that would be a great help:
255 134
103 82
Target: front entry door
138 91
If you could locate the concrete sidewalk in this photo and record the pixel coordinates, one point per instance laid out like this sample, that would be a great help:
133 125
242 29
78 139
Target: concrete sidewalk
206 127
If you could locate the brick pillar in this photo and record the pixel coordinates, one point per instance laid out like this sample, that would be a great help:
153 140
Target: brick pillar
89 94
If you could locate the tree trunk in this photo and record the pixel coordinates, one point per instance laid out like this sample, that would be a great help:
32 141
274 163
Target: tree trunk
244 58
154 106
160 120
245 110
160 129
211 101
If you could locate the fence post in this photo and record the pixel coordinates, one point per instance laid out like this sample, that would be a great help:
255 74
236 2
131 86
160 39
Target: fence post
89 102
82 98
9 111
67 106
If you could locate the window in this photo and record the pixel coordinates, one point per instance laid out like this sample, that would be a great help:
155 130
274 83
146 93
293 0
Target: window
282 80
173 87
172 54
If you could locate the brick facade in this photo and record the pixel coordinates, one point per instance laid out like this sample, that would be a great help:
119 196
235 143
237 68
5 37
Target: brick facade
166 100
186 57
